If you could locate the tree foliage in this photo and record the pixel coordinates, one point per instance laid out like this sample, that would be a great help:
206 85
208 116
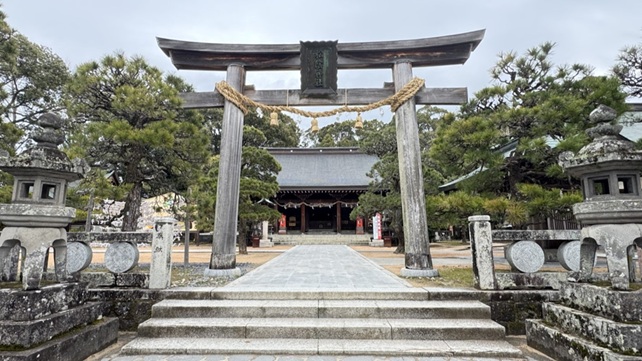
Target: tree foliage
628 69
31 80
95 188
257 184
444 211
341 134
542 203
286 134
540 107
133 125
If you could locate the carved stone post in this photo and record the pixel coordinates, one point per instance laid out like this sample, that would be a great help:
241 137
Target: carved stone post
481 242
223 261
418 261
265 239
160 269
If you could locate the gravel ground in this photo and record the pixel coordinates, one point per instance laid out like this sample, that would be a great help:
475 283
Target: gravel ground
193 275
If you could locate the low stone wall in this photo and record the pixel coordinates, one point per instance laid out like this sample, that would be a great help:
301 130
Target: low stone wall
132 306
509 308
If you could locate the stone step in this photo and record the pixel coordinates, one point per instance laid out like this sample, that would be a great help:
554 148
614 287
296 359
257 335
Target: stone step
323 328
621 306
29 333
622 337
321 309
71 346
478 349
321 239
46 301
301 242
320 294
565 347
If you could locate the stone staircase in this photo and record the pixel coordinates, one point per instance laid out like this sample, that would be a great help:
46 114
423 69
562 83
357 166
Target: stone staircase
335 323
589 323
321 238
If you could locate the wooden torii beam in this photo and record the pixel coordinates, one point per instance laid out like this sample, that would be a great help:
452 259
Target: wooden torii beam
360 96
444 50
399 56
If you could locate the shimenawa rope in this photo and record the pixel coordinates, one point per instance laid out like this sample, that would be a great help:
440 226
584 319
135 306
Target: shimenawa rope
395 101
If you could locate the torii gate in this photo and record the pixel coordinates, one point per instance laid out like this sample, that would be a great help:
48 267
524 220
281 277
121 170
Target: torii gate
400 56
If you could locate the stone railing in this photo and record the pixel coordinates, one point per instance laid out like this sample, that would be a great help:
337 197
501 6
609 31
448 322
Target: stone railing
121 254
526 254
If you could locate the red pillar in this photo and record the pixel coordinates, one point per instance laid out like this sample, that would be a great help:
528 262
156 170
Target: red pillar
360 225
282 225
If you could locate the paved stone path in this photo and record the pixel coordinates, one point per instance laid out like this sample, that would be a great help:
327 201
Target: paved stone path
327 266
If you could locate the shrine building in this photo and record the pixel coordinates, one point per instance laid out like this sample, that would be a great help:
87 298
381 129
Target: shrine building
319 187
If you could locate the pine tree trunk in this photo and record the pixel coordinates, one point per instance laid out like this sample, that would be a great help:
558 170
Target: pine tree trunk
132 208
90 209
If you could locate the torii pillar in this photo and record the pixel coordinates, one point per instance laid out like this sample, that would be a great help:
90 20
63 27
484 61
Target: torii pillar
418 262
223 260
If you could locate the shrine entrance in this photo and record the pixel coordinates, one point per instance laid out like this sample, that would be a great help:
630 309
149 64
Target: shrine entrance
319 187
318 218
318 63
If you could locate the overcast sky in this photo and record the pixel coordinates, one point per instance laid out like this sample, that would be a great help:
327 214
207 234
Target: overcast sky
586 31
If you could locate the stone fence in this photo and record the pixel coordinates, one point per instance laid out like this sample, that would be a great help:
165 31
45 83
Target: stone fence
121 255
526 254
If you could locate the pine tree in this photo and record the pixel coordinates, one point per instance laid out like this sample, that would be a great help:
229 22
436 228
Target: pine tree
135 127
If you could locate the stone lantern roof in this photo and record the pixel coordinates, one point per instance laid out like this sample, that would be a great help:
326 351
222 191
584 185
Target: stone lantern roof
607 150
41 174
45 157
609 168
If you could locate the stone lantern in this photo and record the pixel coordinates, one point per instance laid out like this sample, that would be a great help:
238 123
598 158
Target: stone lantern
611 214
37 217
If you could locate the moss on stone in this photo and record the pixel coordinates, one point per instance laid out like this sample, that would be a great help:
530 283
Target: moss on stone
72 331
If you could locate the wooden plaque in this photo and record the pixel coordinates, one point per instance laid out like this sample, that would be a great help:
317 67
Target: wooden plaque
318 69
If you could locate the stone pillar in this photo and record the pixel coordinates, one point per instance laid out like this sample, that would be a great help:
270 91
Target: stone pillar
9 263
265 240
415 225
482 249
160 269
227 193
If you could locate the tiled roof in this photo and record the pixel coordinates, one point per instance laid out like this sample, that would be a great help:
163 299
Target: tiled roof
323 168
